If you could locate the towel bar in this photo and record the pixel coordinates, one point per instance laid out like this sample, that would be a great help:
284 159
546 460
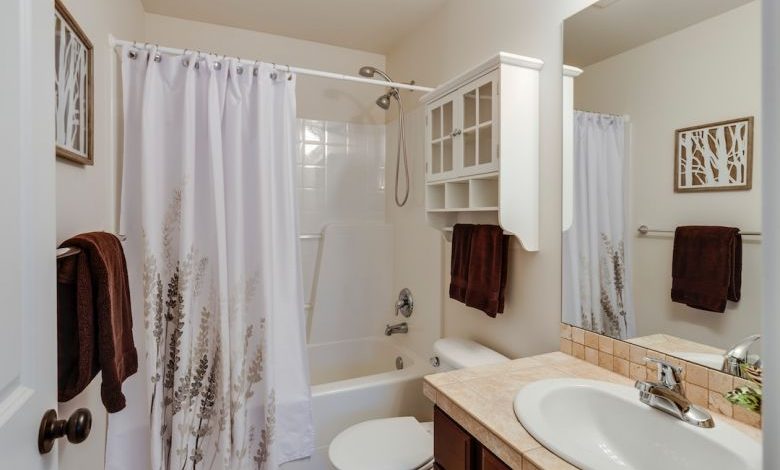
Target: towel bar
644 230
70 251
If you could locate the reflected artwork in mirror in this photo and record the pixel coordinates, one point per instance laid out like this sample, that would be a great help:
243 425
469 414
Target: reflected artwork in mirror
677 272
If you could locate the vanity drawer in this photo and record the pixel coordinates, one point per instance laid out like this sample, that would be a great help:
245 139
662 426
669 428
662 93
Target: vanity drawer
453 448
491 462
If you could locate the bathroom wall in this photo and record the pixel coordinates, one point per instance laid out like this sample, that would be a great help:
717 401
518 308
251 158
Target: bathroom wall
708 72
457 37
317 98
87 195
418 247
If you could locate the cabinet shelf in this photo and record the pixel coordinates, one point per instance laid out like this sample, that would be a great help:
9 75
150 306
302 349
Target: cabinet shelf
466 209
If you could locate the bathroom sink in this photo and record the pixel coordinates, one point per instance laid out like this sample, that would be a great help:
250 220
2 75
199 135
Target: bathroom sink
602 426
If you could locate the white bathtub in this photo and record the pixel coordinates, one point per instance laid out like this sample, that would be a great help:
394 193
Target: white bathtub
356 380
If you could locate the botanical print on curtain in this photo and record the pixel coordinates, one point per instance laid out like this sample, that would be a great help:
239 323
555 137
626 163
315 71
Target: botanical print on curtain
208 205
596 262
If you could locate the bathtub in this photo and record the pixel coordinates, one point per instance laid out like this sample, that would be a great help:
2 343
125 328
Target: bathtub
356 380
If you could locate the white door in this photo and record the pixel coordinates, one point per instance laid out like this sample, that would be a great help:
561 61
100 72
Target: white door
28 339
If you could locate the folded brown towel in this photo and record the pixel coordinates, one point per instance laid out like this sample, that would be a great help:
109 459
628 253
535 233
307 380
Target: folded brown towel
94 320
459 267
487 269
707 266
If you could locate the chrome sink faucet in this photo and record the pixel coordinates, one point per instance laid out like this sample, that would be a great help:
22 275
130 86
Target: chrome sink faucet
667 395
398 328
738 355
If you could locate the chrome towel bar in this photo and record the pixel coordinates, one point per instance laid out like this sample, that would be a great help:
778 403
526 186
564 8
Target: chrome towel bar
644 230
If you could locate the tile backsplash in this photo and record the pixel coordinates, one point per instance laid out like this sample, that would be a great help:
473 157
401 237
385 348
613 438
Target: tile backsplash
702 386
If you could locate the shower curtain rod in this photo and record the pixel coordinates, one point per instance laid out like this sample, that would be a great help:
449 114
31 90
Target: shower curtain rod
114 42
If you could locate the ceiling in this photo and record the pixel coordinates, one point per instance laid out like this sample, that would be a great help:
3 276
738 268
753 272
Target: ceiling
610 27
369 25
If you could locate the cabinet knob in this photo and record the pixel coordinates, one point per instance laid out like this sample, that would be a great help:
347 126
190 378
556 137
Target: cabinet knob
456 132
76 428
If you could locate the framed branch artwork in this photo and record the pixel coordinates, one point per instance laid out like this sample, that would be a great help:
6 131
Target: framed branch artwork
73 85
714 157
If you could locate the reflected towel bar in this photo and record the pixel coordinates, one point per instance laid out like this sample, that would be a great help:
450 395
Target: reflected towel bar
70 251
644 230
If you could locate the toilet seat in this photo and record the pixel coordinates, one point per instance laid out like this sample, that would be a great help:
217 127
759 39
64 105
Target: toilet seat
383 444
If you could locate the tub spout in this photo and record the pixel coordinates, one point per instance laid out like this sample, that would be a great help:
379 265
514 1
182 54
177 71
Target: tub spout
399 328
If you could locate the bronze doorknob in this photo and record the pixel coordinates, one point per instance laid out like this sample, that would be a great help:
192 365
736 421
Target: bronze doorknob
76 428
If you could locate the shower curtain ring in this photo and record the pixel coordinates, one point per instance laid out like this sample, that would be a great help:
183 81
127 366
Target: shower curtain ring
185 61
289 73
254 69
274 76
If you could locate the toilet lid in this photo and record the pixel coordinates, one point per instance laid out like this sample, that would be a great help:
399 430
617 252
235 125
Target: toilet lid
382 444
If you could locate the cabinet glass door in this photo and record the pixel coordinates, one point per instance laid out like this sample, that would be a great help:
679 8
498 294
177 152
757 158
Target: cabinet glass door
479 109
442 132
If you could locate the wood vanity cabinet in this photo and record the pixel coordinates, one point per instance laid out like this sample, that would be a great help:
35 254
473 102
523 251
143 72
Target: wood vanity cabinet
456 449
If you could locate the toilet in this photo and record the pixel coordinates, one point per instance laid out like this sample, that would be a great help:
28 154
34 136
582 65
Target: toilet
404 443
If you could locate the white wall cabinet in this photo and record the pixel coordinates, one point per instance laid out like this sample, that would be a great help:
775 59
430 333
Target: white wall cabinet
482 148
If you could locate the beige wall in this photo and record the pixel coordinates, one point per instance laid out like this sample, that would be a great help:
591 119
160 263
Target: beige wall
317 98
708 72
87 196
457 37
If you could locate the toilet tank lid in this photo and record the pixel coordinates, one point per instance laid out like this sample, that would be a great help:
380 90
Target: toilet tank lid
460 353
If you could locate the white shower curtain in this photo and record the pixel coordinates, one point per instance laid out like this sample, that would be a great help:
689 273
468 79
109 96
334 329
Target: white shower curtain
209 209
596 270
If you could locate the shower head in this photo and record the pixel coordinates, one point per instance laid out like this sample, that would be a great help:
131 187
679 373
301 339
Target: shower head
384 101
369 71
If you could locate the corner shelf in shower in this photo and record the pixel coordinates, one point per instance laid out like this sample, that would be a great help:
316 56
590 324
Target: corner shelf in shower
482 148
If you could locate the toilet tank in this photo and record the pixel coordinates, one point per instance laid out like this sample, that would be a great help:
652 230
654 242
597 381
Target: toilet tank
459 353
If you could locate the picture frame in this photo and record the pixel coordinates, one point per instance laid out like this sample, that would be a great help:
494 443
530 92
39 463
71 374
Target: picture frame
717 156
74 94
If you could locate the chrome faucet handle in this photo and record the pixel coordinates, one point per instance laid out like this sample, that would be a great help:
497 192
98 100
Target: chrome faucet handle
667 373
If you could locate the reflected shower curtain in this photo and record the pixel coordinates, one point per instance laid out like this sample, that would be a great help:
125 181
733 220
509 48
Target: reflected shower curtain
209 208
596 284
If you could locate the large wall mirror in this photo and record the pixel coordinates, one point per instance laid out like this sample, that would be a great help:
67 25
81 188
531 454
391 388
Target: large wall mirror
662 188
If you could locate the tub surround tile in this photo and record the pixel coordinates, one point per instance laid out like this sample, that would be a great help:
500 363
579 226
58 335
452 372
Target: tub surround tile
703 386
481 399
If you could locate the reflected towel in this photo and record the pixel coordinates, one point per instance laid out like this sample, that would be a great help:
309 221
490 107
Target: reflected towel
707 267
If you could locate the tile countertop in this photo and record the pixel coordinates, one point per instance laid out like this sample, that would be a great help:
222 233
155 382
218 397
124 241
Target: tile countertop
480 400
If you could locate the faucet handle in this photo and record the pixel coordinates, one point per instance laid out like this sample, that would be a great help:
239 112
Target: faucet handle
667 373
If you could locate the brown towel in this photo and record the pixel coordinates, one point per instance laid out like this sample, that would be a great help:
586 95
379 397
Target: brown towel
94 320
707 267
479 267
459 267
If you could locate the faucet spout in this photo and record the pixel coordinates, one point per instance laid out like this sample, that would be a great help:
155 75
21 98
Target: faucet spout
398 328
666 395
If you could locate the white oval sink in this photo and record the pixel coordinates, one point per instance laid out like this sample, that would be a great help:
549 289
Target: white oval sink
602 426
